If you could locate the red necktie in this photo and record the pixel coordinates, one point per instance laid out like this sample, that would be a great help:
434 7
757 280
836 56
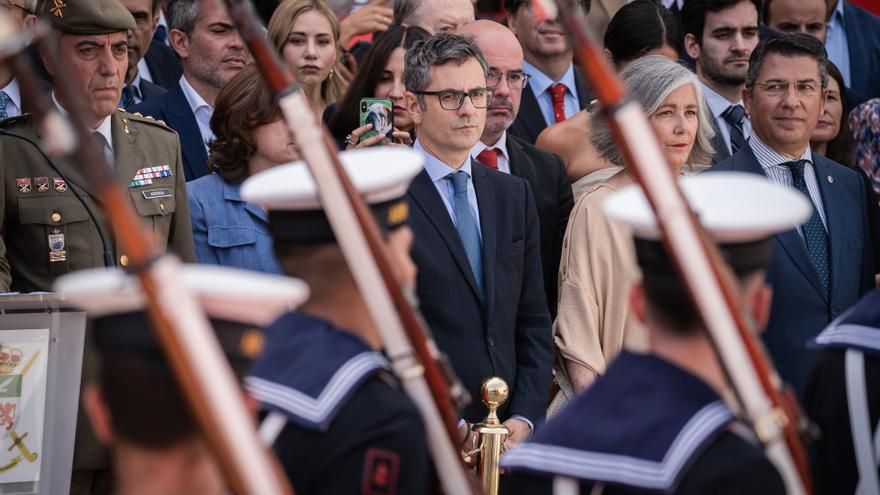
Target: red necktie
489 157
557 93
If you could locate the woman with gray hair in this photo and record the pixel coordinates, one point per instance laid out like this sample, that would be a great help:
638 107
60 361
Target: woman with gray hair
598 262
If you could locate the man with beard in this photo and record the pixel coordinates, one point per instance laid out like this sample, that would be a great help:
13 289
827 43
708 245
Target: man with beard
720 35
211 53
138 87
511 155
476 238
556 90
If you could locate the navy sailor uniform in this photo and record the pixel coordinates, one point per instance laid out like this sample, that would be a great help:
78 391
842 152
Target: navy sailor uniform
645 426
344 425
843 400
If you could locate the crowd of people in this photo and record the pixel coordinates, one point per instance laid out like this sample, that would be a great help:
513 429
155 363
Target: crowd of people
507 205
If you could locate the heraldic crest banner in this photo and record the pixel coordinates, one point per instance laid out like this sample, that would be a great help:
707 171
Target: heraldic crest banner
23 356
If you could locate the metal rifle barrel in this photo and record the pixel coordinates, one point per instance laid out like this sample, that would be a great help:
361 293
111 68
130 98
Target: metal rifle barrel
708 279
413 353
181 328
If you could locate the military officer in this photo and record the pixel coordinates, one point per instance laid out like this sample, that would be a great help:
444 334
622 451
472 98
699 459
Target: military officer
335 416
656 422
843 399
52 221
135 404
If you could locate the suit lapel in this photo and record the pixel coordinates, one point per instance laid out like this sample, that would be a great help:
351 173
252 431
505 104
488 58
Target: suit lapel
721 150
182 120
582 89
425 196
530 117
519 161
791 240
833 214
486 204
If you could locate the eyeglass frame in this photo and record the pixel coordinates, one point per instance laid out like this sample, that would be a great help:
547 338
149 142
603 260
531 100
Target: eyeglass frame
11 4
507 75
461 94
818 90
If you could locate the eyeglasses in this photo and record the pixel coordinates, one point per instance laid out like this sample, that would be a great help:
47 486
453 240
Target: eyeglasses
6 6
779 88
452 100
516 80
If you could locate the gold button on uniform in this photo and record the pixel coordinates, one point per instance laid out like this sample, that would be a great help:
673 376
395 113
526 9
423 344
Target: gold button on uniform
56 217
123 260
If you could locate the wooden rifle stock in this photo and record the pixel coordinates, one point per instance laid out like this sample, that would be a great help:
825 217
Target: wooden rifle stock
708 279
183 332
414 355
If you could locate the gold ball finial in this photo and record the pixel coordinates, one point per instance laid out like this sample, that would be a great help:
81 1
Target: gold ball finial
494 391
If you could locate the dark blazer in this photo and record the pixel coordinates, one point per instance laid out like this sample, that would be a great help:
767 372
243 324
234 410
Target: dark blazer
148 91
551 187
722 152
530 121
800 308
174 109
863 38
508 334
164 65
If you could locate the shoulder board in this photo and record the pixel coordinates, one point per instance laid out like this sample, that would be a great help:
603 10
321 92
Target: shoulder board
138 117
11 121
858 327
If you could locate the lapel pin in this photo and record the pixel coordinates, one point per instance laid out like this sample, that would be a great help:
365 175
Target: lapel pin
830 180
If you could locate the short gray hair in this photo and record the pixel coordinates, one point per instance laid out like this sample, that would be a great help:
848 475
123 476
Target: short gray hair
650 80
183 15
439 49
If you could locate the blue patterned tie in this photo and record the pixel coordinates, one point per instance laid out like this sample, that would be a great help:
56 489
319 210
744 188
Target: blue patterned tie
129 93
466 225
734 118
814 232
4 101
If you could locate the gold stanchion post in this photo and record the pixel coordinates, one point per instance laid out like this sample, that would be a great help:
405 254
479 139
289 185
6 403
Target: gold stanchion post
490 435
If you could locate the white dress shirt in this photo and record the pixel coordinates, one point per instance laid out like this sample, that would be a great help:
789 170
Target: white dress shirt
144 71
836 44
200 109
540 84
717 105
438 171
503 157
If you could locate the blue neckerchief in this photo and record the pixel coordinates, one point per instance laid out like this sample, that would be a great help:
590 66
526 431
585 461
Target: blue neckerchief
858 327
309 369
641 425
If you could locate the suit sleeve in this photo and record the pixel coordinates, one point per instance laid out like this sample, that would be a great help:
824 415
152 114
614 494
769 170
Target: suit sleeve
5 275
204 253
180 240
534 353
563 211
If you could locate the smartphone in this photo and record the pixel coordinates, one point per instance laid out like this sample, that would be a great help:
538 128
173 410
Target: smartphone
380 113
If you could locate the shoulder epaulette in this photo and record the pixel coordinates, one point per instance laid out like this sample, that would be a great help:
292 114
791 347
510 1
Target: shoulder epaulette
138 117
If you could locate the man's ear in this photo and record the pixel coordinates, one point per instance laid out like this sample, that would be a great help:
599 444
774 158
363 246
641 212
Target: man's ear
412 105
99 414
156 20
747 101
637 302
47 60
691 46
179 42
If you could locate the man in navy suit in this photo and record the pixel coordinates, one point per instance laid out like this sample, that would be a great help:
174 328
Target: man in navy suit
821 269
853 44
557 90
502 151
476 239
211 52
138 85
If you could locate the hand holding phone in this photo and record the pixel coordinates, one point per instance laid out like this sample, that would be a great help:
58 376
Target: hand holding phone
379 112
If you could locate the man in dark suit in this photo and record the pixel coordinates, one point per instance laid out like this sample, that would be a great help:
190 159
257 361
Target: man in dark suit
507 153
476 239
557 90
719 35
853 44
138 86
21 13
822 268
211 52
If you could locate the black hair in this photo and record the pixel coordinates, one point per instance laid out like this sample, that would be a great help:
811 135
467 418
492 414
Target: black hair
639 27
693 14
840 149
788 45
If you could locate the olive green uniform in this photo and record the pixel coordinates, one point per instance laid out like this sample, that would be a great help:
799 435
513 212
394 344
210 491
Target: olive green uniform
46 230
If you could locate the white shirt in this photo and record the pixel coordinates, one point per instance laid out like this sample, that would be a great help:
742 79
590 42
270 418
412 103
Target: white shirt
771 161
200 109
503 157
438 172
144 71
836 44
668 3
13 106
540 84
718 105
105 129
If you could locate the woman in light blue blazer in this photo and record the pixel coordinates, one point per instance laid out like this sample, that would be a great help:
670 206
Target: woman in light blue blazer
249 137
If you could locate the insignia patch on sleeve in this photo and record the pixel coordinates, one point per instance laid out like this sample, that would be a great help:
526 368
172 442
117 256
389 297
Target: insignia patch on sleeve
381 469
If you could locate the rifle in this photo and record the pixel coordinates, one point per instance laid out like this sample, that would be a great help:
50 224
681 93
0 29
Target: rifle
183 332
415 358
709 281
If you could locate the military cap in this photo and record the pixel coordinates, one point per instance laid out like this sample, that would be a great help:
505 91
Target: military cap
289 194
237 302
741 212
88 16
